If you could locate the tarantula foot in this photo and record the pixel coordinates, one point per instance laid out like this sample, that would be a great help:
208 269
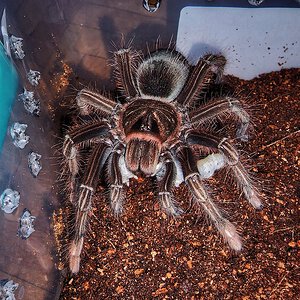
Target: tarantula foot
74 260
241 133
73 166
168 205
229 233
72 196
253 197
244 117
217 63
116 198
69 151
260 207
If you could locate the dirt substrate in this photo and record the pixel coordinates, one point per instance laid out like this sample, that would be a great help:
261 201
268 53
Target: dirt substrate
146 255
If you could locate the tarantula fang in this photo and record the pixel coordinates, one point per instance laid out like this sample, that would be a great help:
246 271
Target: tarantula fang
155 133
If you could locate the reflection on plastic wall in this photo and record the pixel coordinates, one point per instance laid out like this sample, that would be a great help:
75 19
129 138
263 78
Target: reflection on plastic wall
10 200
16 45
34 77
255 2
26 227
31 104
151 5
7 289
34 163
18 135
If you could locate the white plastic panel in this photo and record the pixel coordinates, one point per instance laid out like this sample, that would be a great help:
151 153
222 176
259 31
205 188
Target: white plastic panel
254 40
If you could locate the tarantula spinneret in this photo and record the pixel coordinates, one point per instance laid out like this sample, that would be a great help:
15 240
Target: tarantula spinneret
155 132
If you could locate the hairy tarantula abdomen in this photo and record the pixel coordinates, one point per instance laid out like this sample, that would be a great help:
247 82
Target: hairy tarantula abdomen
156 132
162 75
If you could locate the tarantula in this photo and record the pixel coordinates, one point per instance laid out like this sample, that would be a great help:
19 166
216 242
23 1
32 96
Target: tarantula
156 132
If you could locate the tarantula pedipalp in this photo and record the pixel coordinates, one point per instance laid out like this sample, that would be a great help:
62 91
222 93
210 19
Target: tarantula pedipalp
155 133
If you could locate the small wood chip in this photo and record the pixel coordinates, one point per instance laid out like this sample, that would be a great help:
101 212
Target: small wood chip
138 272
120 289
160 291
86 285
189 264
292 244
111 251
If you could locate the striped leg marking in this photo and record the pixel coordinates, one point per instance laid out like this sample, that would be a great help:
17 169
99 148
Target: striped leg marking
202 199
225 227
231 157
200 76
166 179
124 60
83 134
71 154
84 205
218 107
73 140
88 100
116 192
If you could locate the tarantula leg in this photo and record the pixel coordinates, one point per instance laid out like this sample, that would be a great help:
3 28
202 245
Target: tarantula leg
166 180
200 76
124 66
71 154
246 185
217 108
225 227
82 134
84 205
231 156
240 173
72 139
202 199
116 194
88 100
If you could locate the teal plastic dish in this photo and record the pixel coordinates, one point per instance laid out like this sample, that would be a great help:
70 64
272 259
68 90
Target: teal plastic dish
8 89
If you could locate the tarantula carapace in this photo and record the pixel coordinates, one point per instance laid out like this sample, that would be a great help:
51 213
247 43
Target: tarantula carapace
158 131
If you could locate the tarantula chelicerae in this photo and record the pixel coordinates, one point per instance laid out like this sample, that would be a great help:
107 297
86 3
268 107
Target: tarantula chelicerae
156 132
